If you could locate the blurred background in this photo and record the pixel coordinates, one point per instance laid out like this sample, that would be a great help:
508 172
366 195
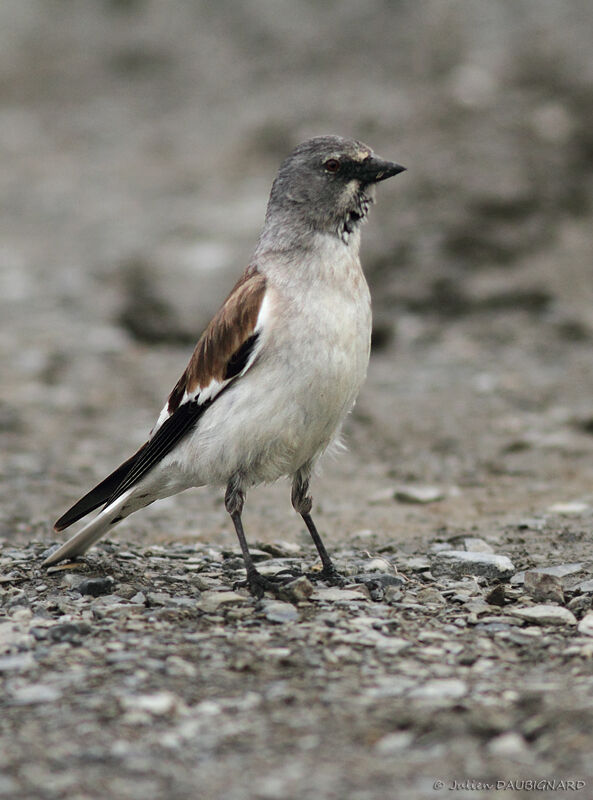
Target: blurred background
138 142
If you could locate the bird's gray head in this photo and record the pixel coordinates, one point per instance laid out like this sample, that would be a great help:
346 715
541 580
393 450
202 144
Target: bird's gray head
326 185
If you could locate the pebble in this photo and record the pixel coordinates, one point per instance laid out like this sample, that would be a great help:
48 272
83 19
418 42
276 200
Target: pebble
211 601
445 689
544 615
507 745
474 545
393 743
431 595
497 596
159 703
376 565
543 586
557 571
34 693
96 586
568 509
419 494
277 611
299 590
383 579
585 626
456 563
334 594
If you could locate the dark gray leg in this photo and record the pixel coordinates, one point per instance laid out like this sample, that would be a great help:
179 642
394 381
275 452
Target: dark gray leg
302 503
257 583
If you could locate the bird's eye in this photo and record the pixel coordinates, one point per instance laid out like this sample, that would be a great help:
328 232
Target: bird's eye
332 165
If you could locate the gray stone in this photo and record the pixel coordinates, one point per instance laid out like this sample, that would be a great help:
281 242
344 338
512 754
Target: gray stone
585 626
96 586
277 611
158 704
393 743
455 563
474 545
34 694
440 689
334 594
430 595
299 590
568 509
558 571
543 586
419 494
544 615
507 745
211 602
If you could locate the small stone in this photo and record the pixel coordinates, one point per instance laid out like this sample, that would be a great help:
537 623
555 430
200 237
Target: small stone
334 594
456 563
383 579
507 745
544 615
440 689
179 667
376 565
568 509
68 631
393 743
542 586
558 571
210 602
585 626
580 605
96 586
431 595
35 693
416 564
277 611
585 586
474 545
17 663
419 494
496 597
299 590
159 703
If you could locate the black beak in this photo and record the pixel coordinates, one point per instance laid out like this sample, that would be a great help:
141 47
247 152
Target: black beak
373 170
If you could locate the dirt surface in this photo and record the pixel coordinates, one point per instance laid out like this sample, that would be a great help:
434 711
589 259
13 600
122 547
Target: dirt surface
139 140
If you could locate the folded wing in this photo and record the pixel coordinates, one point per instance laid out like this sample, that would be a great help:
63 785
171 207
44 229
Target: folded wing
226 350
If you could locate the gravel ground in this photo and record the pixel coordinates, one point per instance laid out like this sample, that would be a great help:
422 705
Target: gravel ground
138 143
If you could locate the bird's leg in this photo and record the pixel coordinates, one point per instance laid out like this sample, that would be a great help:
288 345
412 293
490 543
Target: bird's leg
302 504
258 584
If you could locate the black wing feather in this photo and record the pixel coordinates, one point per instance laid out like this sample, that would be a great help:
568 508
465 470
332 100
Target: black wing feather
99 495
174 428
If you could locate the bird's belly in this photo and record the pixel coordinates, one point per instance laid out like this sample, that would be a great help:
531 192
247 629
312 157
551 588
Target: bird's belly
286 410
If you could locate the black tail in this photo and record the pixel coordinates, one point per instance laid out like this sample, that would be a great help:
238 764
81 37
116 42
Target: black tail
99 495
173 429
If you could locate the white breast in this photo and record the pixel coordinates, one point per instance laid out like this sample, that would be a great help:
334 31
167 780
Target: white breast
290 405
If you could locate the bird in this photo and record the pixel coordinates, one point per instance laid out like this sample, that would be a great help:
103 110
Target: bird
275 373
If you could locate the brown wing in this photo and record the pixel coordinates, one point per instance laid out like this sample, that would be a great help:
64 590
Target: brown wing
230 331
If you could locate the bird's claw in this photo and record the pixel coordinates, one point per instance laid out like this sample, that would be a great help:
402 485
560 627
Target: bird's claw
259 584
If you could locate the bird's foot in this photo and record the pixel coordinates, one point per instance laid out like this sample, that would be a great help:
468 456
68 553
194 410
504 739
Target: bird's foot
329 575
259 584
